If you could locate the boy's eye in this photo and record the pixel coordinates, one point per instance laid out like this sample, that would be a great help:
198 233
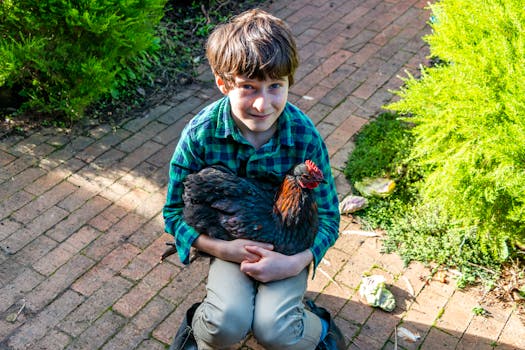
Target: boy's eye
246 86
275 85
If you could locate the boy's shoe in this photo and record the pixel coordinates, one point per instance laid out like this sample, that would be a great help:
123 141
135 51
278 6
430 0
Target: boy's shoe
184 339
334 339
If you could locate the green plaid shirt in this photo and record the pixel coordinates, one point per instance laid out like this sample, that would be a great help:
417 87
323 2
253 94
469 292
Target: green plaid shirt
212 137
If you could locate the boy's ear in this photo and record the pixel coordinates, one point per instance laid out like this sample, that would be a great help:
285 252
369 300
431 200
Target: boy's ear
221 85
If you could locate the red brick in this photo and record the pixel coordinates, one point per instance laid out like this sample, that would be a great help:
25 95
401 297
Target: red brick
513 335
353 270
181 109
132 199
145 261
151 344
18 240
16 201
78 218
147 132
379 326
105 269
14 168
35 250
53 260
99 332
47 219
343 133
329 266
8 226
58 282
489 327
371 85
165 331
148 233
107 160
102 145
47 181
23 283
438 340
55 340
133 301
115 236
91 309
39 326
92 280
80 239
143 323
44 202
185 281
140 155
152 206
422 315
108 217
392 263
21 180
325 69
76 198
6 158
357 13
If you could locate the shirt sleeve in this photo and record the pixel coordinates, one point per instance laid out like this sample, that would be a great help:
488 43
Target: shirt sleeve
328 207
185 160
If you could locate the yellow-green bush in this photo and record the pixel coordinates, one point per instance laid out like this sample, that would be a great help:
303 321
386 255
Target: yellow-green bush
469 116
64 55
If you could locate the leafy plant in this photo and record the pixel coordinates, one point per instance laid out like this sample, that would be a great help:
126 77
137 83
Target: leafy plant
64 55
479 311
469 117
414 229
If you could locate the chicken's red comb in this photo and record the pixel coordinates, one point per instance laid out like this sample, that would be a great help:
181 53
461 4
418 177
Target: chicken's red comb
312 168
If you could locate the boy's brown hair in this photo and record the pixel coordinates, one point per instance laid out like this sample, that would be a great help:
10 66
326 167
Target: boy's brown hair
255 44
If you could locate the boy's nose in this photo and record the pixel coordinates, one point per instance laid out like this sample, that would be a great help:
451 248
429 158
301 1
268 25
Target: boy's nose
261 102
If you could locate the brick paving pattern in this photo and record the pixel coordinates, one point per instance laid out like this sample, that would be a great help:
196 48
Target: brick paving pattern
81 230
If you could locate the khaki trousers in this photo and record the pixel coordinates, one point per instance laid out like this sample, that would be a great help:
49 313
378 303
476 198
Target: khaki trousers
236 304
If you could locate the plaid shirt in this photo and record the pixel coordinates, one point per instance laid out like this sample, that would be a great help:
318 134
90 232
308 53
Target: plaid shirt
212 137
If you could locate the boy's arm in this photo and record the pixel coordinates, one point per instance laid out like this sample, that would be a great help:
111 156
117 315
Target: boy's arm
328 209
184 161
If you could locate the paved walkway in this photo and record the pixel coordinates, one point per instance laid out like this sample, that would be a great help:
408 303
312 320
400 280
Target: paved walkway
80 218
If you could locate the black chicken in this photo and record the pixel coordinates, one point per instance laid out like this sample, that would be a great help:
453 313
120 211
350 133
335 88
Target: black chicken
223 205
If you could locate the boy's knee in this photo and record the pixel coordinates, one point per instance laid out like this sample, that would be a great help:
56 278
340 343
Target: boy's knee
221 328
274 333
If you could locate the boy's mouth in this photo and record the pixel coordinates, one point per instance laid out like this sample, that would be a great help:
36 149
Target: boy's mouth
261 116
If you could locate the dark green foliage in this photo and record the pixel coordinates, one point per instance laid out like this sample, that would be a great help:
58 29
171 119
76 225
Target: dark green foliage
383 145
65 55
415 230
382 150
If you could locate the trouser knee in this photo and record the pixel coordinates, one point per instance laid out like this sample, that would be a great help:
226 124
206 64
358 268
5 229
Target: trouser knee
221 328
278 334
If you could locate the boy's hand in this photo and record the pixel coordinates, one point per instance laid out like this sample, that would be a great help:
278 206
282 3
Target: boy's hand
234 251
237 250
273 266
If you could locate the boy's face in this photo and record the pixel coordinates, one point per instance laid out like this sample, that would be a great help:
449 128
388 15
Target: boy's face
256 104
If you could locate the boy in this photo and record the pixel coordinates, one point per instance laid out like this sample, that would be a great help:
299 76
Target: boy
254 131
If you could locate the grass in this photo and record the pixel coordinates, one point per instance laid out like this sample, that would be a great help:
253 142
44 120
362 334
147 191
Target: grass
414 231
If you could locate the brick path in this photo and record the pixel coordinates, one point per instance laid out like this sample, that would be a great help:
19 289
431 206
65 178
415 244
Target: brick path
80 218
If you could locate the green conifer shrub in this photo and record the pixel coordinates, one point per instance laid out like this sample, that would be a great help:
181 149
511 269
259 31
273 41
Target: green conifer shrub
66 54
469 116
